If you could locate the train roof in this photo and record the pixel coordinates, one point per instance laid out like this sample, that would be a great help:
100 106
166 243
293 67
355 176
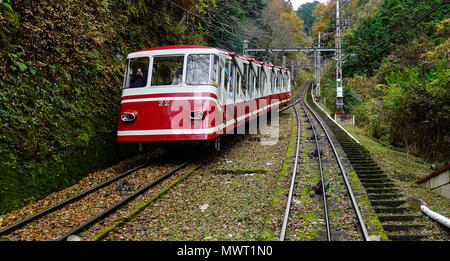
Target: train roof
169 47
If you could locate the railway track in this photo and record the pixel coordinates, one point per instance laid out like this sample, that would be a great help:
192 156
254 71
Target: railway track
322 179
53 223
122 202
66 202
313 120
298 96
64 209
388 202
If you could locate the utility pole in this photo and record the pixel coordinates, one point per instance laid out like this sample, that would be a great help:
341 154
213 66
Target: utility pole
315 67
339 61
318 69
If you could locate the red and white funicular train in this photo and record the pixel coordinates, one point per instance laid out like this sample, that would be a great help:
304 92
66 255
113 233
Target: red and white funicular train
186 93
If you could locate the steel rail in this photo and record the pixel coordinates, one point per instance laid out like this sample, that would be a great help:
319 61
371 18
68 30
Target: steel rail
31 218
110 210
322 180
291 188
344 175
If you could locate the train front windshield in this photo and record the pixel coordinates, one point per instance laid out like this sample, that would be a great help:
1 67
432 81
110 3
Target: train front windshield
167 70
137 72
201 69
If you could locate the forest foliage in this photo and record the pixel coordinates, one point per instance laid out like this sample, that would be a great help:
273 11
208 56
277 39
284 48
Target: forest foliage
397 82
305 13
62 64
262 23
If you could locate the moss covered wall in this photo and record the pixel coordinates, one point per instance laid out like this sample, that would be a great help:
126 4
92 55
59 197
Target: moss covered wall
61 69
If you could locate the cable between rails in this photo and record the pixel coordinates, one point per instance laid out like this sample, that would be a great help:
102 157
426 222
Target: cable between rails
344 175
322 180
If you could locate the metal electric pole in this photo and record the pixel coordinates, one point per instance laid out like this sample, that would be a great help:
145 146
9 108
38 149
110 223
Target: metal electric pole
339 60
318 68
338 57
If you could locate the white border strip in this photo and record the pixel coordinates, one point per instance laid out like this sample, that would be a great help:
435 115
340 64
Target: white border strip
348 133
169 98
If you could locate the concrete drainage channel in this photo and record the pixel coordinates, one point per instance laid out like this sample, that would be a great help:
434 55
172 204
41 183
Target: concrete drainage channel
389 204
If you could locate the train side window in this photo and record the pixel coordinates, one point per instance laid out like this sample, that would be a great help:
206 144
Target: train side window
244 81
258 82
272 76
253 86
250 82
277 83
263 83
234 81
198 69
167 70
238 84
215 70
137 72
226 79
280 81
220 72
274 82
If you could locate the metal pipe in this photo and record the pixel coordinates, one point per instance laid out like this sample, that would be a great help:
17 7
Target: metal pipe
435 216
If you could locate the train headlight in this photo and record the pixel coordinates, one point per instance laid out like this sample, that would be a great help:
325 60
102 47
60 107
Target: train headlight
128 117
197 115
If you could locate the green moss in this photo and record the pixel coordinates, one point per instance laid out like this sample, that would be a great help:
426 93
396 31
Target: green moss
354 180
309 234
267 235
276 195
286 166
308 231
308 218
